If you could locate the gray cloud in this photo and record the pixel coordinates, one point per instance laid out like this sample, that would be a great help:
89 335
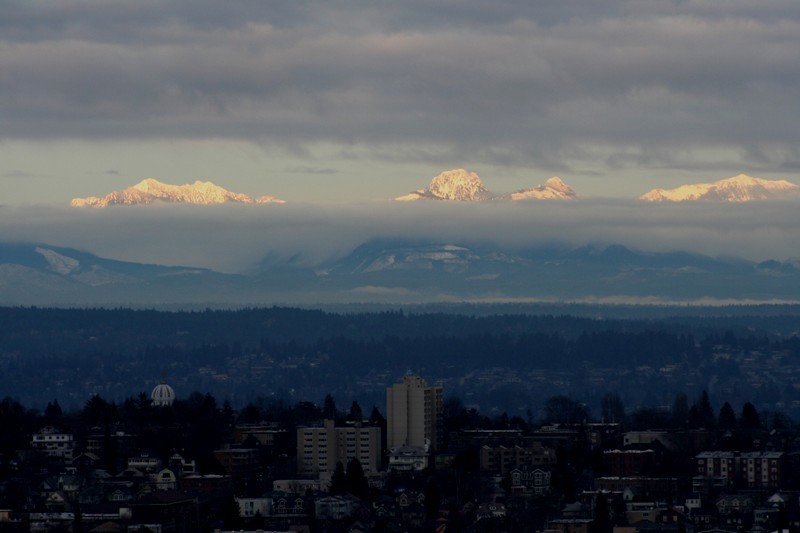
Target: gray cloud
17 174
570 84
22 175
311 170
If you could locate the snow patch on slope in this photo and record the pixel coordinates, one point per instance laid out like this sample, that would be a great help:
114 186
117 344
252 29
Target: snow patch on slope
58 263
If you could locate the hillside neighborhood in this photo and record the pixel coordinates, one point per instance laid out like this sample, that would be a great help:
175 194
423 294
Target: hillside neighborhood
161 463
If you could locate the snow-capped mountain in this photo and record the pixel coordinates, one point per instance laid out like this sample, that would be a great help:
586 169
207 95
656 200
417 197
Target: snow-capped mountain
382 256
741 188
552 189
457 184
41 274
463 186
150 191
419 271
392 271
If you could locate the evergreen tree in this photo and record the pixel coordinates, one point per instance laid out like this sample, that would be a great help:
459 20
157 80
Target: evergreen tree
355 481
602 514
109 451
693 419
17 424
376 418
749 419
705 412
433 498
680 411
98 412
230 514
561 409
727 417
619 512
338 480
250 414
302 413
53 414
612 408
329 408
355 412
648 418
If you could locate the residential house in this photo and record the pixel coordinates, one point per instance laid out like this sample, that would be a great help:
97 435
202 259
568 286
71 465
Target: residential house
53 443
530 480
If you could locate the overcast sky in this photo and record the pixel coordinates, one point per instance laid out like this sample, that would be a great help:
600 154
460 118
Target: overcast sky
343 100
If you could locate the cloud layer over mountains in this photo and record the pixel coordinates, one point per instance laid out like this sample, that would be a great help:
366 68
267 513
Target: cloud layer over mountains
234 238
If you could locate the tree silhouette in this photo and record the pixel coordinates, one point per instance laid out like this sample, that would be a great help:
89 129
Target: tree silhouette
355 412
602 514
750 419
329 408
355 481
564 410
612 408
338 480
680 411
727 417
53 414
705 413
98 412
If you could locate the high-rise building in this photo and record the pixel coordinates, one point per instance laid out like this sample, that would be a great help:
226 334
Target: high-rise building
414 412
320 448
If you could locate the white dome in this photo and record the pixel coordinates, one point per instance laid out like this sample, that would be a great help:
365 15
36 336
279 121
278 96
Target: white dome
163 394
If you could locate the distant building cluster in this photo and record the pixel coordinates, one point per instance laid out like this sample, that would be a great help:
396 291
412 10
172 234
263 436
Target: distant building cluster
414 470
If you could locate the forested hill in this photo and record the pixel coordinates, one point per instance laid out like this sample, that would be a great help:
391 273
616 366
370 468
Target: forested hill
59 331
507 362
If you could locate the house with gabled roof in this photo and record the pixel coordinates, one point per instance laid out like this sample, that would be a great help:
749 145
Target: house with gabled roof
57 501
530 479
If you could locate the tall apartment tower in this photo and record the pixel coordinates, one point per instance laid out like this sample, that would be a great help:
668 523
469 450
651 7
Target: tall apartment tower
414 412
320 448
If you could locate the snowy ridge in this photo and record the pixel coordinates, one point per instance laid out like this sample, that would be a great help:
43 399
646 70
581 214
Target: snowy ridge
741 188
552 189
463 186
150 191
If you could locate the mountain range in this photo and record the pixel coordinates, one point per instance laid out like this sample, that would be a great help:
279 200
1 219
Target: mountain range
40 274
463 186
396 271
457 185
741 188
150 191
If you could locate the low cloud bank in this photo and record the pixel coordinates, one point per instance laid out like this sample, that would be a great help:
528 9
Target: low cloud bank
237 238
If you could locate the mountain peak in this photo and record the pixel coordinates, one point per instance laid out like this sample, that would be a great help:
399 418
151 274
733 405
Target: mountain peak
552 189
458 184
150 190
464 186
148 184
739 188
